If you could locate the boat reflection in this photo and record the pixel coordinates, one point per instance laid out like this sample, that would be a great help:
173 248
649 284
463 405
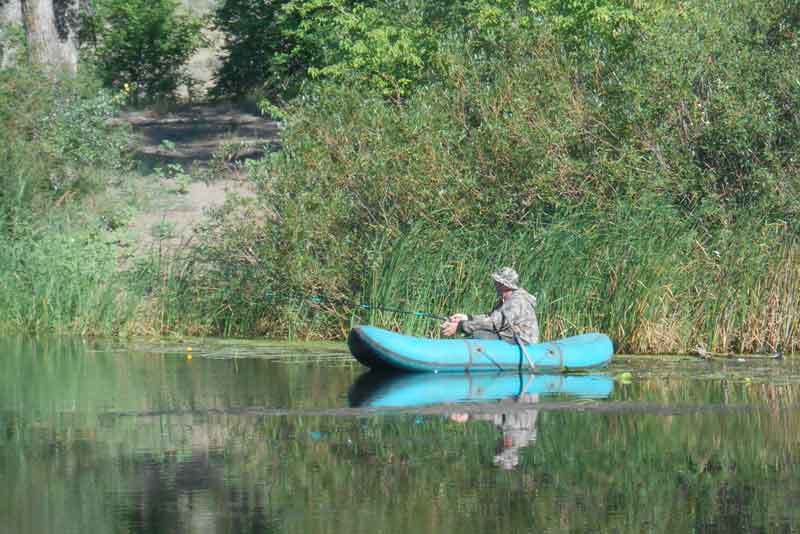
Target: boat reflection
508 401
380 390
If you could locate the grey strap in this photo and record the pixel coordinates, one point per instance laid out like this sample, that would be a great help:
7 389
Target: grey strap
523 349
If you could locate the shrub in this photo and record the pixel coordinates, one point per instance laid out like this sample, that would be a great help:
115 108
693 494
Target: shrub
78 129
54 138
394 47
276 46
142 46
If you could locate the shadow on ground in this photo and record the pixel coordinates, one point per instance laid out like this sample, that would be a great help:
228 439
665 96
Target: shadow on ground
191 135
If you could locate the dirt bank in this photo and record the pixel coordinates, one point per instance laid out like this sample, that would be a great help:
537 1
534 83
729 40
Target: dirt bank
189 159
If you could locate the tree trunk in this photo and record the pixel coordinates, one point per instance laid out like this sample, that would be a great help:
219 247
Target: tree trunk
52 27
10 17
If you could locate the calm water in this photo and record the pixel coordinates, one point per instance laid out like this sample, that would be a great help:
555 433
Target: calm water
254 437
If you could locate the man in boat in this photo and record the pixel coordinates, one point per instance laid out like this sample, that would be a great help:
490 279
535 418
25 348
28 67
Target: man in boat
512 319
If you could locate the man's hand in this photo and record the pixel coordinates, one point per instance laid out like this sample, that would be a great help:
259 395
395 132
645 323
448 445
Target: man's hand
459 417
458 317
449 328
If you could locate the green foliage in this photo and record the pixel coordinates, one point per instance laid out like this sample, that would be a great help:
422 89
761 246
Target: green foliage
21 172
142 46
55 139
58 281
640 275
714 113
77 129
216 285
599 26
176 172
394 47
253 44
636 162
57 143
385 47
633 183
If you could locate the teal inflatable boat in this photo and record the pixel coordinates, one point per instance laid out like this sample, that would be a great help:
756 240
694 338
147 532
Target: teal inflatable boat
383 390
381 349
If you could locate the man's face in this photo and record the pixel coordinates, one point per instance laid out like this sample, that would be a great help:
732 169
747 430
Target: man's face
500 288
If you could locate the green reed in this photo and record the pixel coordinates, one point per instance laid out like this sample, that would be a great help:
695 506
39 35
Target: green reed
653 281
653 287
54 282
57 147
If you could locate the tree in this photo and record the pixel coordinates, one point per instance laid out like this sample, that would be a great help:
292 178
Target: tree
52 29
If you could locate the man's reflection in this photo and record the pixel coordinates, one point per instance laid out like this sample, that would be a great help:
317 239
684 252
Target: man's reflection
517 430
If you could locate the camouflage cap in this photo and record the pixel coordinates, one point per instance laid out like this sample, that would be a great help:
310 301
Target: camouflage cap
506 276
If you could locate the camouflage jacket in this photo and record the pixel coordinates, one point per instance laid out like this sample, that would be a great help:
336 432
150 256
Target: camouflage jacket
518 313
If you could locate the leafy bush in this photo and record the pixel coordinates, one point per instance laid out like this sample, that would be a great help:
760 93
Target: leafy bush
394 47
54 138
275 47
712 115
78 129
385 47
142 46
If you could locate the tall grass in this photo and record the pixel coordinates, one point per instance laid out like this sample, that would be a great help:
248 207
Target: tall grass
652 287
54 282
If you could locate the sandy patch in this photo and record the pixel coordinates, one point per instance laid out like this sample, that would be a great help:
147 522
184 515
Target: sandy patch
189 157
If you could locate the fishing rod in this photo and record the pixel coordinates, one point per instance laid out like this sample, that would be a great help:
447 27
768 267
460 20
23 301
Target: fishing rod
321 299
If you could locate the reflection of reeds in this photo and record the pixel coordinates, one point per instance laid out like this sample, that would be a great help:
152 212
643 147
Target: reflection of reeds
407 468
414 470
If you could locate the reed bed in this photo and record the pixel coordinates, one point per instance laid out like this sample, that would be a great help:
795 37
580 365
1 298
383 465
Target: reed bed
56 283
653 288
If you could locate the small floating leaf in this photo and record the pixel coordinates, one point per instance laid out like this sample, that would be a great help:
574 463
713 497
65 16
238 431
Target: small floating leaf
625 378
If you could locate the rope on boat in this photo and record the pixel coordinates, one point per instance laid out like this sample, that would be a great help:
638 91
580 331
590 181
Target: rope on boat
476 348
523 349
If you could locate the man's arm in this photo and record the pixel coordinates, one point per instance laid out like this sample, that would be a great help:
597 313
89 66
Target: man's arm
494 321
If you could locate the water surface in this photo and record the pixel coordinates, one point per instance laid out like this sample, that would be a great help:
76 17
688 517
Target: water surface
264 437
